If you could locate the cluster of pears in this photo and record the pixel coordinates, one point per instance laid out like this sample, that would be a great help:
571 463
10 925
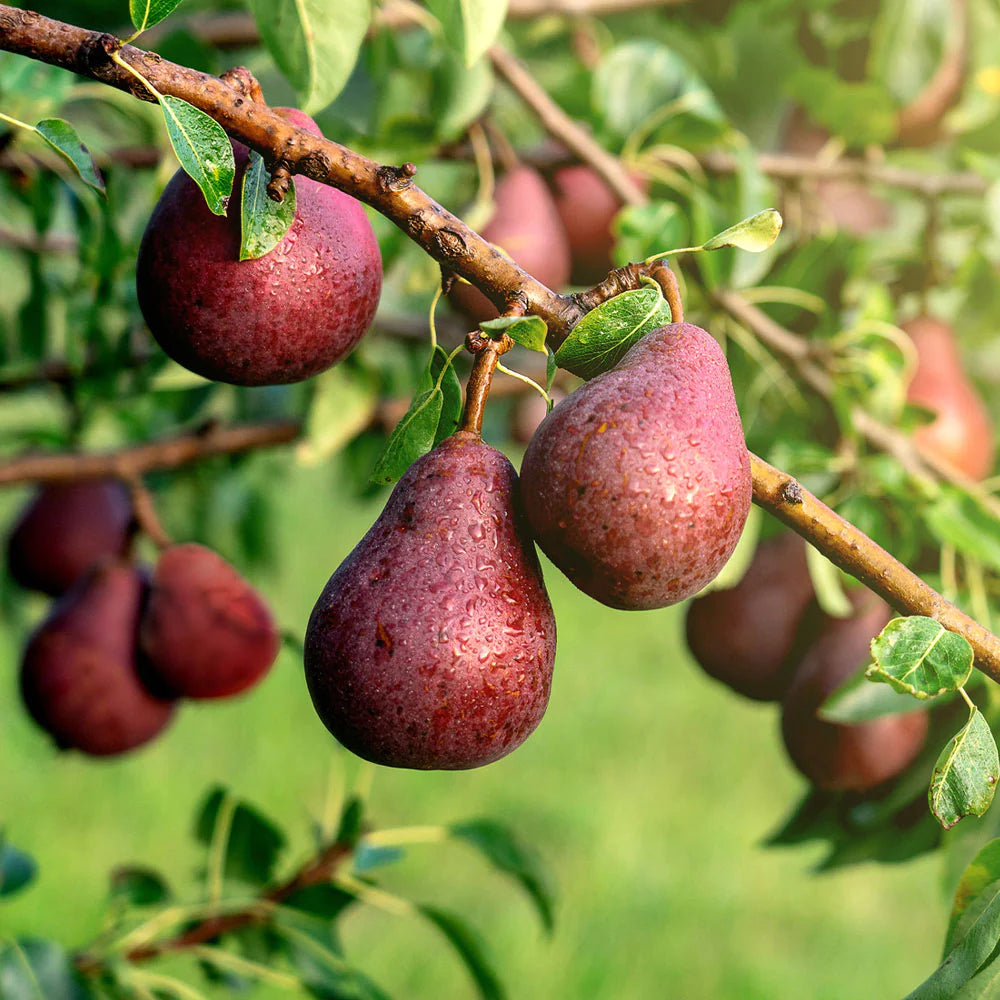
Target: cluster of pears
557 230
433 643
103 670
767 639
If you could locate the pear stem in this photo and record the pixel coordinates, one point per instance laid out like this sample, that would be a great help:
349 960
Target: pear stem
146 515
487 352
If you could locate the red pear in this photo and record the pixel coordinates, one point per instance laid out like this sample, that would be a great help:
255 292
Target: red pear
526 226
962 433
79 676
206 633
280 318
67 528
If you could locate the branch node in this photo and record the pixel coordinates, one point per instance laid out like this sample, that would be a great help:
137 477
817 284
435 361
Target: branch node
791 492
280 182
241 79
392 178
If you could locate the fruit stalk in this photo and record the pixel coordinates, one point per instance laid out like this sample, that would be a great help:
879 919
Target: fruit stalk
855 553
477 389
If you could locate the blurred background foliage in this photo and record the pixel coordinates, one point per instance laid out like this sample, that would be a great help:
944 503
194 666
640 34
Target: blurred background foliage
648 790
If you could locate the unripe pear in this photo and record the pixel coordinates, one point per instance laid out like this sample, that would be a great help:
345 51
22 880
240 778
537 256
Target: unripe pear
526 226
744 635
65 530
833 755
79 675
962 433
206 633
279 318
432 645
637 485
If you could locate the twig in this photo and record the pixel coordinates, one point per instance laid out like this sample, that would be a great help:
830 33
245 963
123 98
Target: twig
854 552
146 515
563 128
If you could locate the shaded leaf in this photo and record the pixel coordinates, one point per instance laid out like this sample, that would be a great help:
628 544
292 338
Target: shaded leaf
528 331
858 699
470 26
343 403
966 773
314 43
919 656
17 869
203 149
501 847
451 395
367 857
976 889
139 886
254 841
958 520
264 221
470 949
645 230
32 969
146 13
755 234
63 138
351 820
602 338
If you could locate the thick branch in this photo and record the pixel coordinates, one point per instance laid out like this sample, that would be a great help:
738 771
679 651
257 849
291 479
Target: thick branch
854 552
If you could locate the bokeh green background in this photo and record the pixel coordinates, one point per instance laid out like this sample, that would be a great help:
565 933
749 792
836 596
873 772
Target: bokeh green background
647 789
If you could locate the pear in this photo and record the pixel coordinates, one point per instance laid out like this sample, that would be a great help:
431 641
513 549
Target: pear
637 485
79 674
65 529
432 645
587 207
280 318
205 632
525 225
962 433
744 635
832 755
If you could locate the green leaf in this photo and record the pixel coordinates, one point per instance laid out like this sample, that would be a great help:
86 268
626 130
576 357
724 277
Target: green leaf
460 95
755 234
32 969
470 949
351 820
433 415
17 869
264 221
204 150
919 656
958 520
314 43
470 26
645 230
863 113
139 886
146 13
254 841
501 847
962 961
602 338
858 699
966 773
63 138
976 889
343 403
550 368
528 331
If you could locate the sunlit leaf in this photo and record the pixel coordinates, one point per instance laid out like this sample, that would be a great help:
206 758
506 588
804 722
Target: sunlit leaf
755 234
203 149
264 221
919 656
965 776
63 138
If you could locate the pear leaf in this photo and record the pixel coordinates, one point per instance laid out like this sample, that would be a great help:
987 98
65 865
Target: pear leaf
146 13
755 234
63 138
204 150
470 26
860 700
264 221
919 656
602 338
966 773
528 331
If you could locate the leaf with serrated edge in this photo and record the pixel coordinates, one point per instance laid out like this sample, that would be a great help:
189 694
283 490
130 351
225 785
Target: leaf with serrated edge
314 42
755 234
602 338
263 221
528 331
63 138
146 13
919 656
965 776
204 150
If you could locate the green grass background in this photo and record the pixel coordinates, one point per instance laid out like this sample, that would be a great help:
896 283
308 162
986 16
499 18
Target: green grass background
647 789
